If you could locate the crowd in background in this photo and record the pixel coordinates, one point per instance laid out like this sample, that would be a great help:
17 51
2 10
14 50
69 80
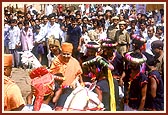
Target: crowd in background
43 33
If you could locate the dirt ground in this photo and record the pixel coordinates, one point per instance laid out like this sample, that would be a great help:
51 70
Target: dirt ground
21 78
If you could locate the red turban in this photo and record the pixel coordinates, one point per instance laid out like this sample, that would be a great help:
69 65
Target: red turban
43 82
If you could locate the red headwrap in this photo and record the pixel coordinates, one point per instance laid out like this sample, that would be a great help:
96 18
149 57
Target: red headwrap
43 82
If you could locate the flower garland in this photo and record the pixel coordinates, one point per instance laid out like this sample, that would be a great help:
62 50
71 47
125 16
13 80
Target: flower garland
104 62
89 62
92 46
109 45
104 40
135 60
136 37
101 61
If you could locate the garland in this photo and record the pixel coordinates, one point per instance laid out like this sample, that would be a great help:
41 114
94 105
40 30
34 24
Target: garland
92 46
89 62
110 45
135 60
104 62
134 36
59 78
104 40
101 61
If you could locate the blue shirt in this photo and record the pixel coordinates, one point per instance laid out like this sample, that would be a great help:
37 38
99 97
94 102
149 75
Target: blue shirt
74 35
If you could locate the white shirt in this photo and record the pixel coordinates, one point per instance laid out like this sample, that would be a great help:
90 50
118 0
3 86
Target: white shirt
148 44
14 37
145 34
102 35
49 9
86 40
42 34
63 35
50 59
53 30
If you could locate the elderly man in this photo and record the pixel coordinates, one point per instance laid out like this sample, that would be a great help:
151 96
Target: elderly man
13 100
70 68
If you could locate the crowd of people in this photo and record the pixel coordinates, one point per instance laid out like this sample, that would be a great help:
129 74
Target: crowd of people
121 49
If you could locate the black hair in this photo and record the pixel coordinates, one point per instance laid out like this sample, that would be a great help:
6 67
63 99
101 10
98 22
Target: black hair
77 12
32 20
143 22
144 15
84 26
136 55
37 27
84 18
19 16
159 28
100 24
19 23
51 15
45 16
35 12
13 21
137 44
134 21
38 19
72 18
26 22
67 17
46 97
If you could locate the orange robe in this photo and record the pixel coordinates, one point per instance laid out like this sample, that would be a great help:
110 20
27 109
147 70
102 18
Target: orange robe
69 70
12 95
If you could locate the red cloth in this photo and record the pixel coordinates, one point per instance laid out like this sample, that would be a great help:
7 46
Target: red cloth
43 82
40 71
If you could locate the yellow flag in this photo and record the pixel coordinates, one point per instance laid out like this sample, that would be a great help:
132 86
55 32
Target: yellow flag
112 91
